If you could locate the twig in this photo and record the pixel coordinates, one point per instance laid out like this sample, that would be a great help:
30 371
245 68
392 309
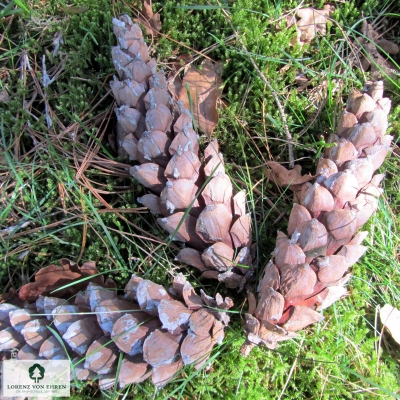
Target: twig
288 135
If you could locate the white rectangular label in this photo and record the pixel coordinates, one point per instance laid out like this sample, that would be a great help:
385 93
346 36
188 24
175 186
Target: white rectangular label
38 378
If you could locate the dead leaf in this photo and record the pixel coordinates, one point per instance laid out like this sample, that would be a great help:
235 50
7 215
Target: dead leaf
150 21
371 59
310 21
390 318
287 177
204 86
53 277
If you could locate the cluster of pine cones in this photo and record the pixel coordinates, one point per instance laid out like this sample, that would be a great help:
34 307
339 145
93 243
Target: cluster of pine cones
197 206
308 270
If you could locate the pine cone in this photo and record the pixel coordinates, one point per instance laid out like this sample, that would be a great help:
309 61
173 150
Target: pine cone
161 138
159 330
309 267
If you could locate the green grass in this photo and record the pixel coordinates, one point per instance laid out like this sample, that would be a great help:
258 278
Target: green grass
64 193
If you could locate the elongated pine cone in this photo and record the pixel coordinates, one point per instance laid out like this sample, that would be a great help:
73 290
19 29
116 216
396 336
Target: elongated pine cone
159 330
217 228
310 265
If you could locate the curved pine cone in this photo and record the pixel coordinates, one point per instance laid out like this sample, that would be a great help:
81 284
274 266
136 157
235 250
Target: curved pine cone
310 266
157 133
159 330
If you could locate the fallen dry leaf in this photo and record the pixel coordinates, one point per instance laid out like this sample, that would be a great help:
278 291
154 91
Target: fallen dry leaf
148 19
371 59
310 21
287 177
53 277
390 318
204 85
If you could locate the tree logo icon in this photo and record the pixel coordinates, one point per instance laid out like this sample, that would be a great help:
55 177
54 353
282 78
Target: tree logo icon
36 372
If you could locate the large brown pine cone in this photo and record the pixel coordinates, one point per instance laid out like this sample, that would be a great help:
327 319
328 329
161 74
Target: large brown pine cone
310 266
159 330
160 136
